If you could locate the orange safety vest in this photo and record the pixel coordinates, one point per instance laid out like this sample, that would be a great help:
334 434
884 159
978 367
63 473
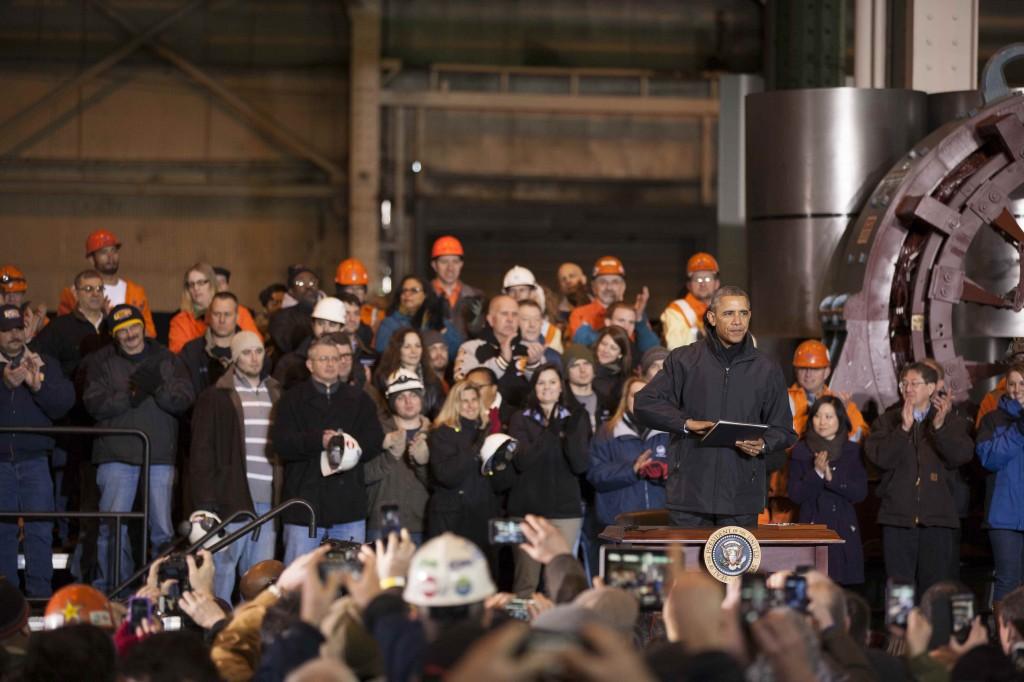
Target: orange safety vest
991 401
371 316
683 321
134 295
591 313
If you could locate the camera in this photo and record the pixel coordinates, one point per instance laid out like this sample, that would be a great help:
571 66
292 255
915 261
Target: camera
343 556
640 571
506 531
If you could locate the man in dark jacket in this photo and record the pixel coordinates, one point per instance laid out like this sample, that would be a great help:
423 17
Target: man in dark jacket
918 444
207 358
34 393
328 317
134 383
291 324
324 433
231 467
722 377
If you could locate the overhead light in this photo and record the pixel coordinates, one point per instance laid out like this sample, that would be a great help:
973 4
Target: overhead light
417 166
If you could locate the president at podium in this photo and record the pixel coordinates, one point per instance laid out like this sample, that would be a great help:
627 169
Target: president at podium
722 377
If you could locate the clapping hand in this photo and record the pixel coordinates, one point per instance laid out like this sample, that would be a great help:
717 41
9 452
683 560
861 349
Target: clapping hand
943 404
821 465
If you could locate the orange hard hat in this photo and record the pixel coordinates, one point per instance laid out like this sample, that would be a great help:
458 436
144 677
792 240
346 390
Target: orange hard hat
701 261
100 239
608 265
78 604
811 354
351 272
446 246
12 280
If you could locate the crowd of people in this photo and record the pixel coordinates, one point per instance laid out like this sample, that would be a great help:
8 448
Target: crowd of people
408 428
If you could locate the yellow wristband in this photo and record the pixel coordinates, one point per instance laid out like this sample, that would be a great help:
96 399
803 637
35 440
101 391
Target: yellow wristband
393 581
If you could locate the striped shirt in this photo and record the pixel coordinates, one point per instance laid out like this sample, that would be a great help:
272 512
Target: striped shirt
256 407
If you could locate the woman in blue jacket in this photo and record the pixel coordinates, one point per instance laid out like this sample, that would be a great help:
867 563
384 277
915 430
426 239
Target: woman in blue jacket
1000 448
624 462
827 478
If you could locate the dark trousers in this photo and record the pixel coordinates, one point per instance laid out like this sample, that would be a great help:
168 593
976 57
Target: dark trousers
684 519
1008 552
919 555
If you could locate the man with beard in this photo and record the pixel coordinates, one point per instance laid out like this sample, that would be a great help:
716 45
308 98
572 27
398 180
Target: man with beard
291 324
103 250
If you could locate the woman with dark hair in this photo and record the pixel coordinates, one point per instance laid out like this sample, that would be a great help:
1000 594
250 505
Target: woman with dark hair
1001 450
553 453
405 351
826 478
614 364
406 310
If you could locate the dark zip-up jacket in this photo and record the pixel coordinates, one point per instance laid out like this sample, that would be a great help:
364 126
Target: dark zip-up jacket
21 406
108 398
69 338
916 466
302 415
217 469
548 463
462 499
699 382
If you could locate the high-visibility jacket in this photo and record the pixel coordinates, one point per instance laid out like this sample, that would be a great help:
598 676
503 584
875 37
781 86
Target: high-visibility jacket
552 336
682 322
371 316
991 401
185 327
134 295
591 313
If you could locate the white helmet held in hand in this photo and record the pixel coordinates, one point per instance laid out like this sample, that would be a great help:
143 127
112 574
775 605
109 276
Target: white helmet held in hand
202 523
518 276
448 571
496 453
330 309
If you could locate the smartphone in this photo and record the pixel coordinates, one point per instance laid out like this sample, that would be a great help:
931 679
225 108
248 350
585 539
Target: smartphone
139 610
506 531
637 570
899 600
755 597
390 520
961 608
342 557
795 592
171 622
519 609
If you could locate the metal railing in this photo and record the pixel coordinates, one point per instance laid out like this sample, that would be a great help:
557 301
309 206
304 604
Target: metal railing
117 516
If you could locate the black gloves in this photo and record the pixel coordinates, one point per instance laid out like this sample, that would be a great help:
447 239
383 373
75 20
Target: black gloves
146 378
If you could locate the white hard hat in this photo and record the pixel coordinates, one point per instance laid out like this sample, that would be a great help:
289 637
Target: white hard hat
336 462
202 523
497 451
448 571
403 380
330 309
518 276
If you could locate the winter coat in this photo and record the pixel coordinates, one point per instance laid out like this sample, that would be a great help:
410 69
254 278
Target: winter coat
832 503
217 469
700 382
607 384
108 397
303 414
399 481
619 489
916 466
388 326
1001 450
289 326
134 295
549 461
513 376
204 369
462 499
20 406
69 338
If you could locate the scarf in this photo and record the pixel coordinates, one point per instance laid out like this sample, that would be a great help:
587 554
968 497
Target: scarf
834 447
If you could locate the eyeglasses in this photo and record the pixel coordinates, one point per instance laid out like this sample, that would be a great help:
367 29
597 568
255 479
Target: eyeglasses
344 356
703 280
196 283
328 359
912 384
412 290
89 288
301 283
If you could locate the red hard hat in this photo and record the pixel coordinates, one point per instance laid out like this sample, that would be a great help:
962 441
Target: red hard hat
78 604
811 354
12 280
608 265
100 239
446 246
701 261
351 272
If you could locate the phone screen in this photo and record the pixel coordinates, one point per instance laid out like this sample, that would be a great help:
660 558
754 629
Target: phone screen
139 609
755 597
899 600
796 592
962 608
506 532
639 571
390 520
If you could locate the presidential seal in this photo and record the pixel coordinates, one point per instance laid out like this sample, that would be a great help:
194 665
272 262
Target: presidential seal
730 552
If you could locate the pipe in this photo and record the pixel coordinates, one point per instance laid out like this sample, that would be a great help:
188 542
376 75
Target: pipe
276 511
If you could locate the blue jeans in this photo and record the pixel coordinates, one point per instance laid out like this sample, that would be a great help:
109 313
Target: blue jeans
238 557
297 541
1008 556
119 483
59 463
26 486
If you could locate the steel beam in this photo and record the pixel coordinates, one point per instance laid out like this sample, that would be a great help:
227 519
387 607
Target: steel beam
156 189
676 107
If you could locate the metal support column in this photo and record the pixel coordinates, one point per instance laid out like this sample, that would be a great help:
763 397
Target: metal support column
365 138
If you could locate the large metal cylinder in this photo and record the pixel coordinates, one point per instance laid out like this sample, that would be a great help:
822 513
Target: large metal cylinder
813 157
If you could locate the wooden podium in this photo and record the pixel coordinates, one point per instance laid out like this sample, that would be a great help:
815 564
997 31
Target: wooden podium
783 547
